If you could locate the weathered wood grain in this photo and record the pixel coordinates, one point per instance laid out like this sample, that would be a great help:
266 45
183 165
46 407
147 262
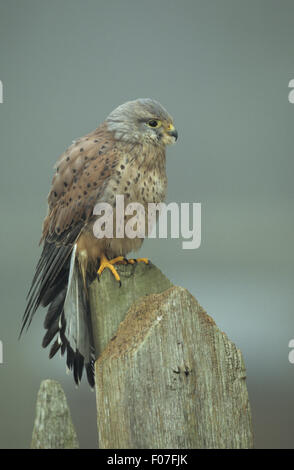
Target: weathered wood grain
110 303
53 427
166 376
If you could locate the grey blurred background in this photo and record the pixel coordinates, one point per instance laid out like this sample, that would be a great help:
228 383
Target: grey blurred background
221 68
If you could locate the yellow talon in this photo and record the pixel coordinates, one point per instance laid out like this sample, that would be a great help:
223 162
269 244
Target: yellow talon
108 263
118 259
105 263
138 260
144 260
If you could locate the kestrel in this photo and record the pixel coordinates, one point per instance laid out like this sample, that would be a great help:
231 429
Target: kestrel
125 156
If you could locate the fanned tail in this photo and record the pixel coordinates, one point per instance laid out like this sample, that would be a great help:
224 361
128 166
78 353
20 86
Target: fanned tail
58 283
72 325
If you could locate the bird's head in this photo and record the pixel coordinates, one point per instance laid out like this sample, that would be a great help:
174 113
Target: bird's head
142 121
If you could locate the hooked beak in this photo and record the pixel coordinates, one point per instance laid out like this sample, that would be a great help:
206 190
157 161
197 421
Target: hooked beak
172 131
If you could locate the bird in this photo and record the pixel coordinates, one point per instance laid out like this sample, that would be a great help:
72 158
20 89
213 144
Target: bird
125 155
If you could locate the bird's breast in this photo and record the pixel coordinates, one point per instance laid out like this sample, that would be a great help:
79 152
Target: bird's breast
140 176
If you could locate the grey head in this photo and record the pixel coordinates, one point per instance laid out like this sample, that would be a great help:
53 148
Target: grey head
142 121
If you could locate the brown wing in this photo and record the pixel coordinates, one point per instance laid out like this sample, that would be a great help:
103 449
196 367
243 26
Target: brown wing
81 174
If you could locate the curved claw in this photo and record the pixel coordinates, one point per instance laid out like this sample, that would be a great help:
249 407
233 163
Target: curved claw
143 260
138 260
105 263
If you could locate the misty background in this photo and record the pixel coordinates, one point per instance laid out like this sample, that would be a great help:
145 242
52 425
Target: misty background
221 68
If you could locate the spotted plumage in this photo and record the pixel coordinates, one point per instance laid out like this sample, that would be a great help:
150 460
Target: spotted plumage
125 156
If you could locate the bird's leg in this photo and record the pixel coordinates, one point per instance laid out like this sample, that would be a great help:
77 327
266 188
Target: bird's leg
108 263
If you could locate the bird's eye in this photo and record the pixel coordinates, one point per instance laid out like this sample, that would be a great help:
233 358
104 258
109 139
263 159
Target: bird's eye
153 123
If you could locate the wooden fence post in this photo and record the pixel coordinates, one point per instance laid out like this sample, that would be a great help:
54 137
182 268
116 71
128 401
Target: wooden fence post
53 427
166 376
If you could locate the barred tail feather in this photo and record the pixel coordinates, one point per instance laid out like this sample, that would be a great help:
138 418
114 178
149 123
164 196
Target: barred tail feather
68 317
58 284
